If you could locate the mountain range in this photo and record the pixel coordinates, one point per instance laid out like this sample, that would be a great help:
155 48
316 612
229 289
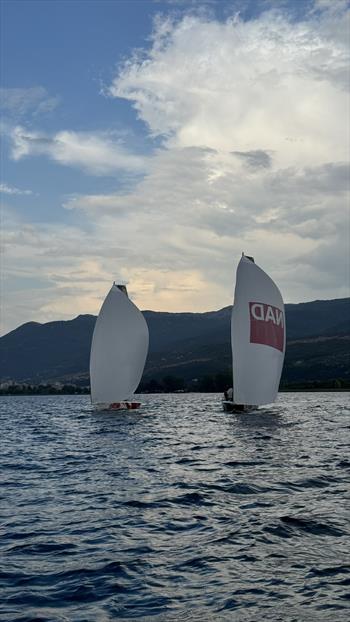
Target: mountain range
185 346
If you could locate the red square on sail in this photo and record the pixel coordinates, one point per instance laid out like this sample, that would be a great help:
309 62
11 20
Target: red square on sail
266 325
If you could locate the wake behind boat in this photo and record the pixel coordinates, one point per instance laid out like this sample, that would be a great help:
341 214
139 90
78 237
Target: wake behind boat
118 352
258 339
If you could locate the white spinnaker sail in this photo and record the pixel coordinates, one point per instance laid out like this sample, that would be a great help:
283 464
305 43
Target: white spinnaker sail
258 336
119 349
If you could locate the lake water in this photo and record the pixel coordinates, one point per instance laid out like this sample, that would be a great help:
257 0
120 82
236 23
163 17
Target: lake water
178 512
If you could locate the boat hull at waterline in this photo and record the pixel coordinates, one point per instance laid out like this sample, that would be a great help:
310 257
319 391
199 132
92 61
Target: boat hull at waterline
231 407
118 406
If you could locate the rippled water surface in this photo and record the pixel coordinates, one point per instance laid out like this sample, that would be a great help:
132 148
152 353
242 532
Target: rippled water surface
178 512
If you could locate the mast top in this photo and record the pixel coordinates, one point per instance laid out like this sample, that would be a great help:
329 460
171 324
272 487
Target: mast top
121 287
248 257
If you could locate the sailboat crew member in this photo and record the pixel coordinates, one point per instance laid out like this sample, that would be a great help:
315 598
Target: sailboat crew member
229 394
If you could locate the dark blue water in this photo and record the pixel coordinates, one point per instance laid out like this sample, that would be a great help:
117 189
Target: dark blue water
179 512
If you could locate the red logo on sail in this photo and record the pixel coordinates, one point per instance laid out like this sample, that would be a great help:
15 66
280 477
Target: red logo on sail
266 325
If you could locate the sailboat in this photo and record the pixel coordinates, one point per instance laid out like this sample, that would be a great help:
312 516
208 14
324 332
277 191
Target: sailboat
118 352
258 338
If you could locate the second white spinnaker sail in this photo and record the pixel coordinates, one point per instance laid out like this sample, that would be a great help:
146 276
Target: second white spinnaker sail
258 335
119 349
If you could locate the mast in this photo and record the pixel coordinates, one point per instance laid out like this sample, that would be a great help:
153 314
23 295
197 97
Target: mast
248 257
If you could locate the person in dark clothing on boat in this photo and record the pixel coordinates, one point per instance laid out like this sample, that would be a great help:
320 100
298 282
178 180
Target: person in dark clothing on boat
228 394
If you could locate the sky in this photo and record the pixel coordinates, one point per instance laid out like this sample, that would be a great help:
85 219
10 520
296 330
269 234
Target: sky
152 142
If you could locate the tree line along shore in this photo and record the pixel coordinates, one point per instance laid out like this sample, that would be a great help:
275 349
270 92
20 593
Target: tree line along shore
169 384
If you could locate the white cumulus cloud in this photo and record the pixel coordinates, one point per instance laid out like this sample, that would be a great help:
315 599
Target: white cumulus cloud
240 85
96 153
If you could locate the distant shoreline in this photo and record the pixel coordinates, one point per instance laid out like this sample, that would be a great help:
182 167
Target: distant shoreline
52 391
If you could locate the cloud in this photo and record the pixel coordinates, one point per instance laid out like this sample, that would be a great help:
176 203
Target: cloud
197 211
19 102
47 272
96 153
266 83
251 156
176 237
255 159
6 189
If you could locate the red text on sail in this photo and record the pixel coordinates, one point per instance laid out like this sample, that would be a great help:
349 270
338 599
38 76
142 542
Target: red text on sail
266 325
